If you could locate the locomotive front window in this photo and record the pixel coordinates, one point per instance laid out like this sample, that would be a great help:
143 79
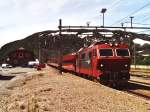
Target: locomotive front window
106 52
122 52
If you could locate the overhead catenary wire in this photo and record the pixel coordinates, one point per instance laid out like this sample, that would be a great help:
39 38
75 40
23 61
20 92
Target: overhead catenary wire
146 19
137 23
114 4
131 14
142 17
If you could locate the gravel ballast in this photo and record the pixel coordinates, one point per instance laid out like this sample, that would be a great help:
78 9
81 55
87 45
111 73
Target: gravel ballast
48 91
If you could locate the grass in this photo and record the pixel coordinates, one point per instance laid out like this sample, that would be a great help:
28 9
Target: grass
140 70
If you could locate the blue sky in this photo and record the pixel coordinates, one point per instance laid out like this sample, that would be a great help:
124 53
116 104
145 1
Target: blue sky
21 18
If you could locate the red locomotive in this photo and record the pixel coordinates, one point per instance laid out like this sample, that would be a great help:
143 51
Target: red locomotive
103 61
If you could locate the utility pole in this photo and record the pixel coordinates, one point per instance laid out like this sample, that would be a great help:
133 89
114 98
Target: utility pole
39 52
88 23
122 24
40 57
39 48
131 21
60 48
60 26
134 55
103 11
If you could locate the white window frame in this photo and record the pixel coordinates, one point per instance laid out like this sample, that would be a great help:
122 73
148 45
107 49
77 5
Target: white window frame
122 48
106 56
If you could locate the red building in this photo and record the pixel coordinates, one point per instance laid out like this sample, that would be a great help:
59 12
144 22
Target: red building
20 57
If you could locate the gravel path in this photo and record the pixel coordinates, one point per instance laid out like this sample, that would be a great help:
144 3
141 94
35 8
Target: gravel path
47 91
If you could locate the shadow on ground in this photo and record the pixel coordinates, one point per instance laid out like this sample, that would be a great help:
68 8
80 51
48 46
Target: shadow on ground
18 72
6 77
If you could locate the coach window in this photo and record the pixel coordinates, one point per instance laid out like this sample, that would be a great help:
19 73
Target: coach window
94 52
90 55
83 56
77 56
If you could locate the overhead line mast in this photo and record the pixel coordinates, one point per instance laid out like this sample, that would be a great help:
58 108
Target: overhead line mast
120 31
105 27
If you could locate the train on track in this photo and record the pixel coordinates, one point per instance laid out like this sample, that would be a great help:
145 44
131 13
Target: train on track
103 61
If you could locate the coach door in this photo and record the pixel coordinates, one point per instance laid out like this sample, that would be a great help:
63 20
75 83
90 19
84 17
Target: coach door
90 63
94 61
78 63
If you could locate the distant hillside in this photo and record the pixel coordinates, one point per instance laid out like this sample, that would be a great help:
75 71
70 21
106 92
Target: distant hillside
49 45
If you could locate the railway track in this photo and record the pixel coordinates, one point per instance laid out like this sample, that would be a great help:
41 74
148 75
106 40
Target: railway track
137 89
147 97
138 82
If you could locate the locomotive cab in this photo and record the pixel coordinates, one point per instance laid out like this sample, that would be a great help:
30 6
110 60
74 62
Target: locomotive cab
105 62
114 62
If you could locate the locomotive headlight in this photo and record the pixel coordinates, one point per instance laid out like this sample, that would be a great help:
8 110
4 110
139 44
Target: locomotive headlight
116 44
101 65
111 44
